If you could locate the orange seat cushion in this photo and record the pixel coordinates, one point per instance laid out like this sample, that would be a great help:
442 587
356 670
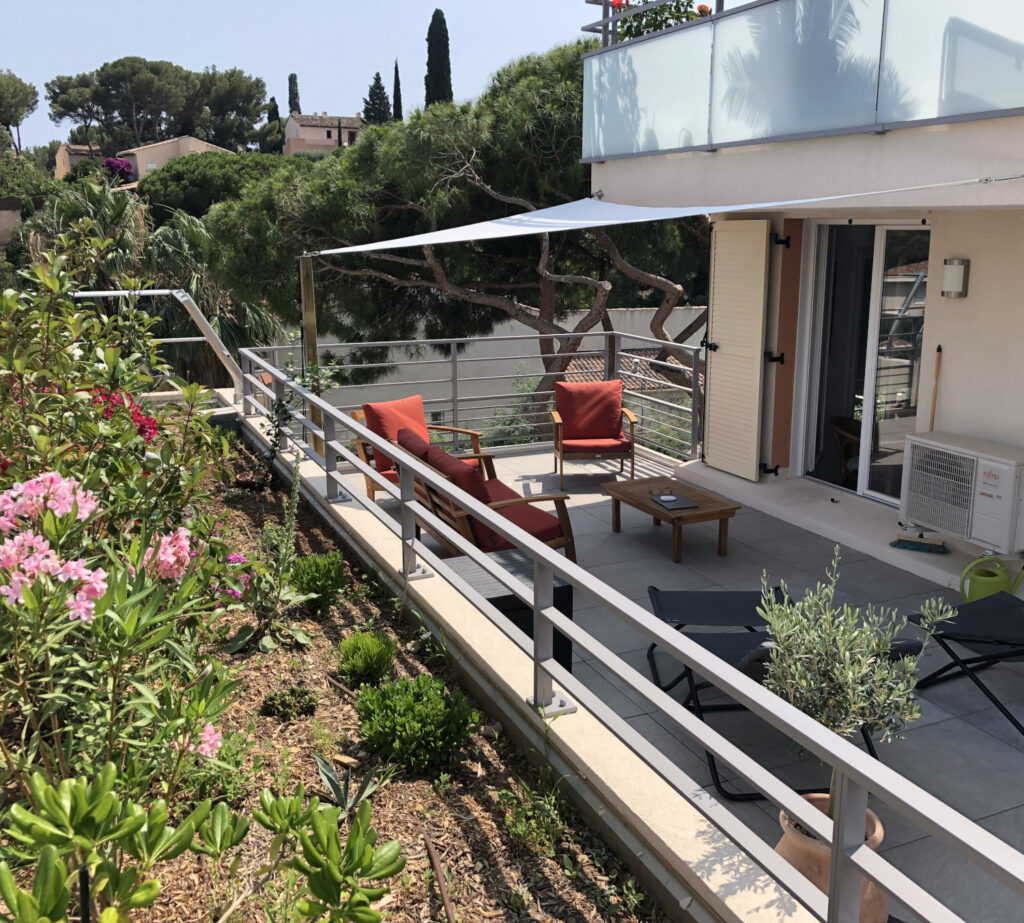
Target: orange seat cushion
386 418
463 476
591 446
590 409
413 444
539 523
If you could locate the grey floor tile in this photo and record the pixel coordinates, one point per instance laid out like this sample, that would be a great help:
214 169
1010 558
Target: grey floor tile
610 630
995 722
959 695
673 748
632 580
807 552
608 691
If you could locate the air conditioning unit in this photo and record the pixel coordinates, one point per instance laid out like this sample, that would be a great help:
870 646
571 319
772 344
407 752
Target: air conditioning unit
967 487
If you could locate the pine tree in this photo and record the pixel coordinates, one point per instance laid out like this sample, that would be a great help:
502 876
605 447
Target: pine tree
293 94
377 106
439 66
273 113
396 96
272 134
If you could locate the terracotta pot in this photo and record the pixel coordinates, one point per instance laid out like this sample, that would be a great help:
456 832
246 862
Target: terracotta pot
251 480
812 858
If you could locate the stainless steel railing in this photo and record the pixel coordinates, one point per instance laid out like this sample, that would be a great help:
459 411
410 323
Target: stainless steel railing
857 774
491 383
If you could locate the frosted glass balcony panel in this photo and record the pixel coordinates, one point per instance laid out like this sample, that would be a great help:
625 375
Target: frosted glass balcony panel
795 66
648 96
943 58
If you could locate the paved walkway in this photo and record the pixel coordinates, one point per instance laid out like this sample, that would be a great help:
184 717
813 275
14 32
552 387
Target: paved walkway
961 750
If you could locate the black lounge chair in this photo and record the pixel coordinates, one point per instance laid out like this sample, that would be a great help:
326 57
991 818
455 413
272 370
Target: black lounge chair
992 629
731 611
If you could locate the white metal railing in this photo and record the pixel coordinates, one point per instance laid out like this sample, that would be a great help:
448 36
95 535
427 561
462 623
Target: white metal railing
772 70
857 774
490 383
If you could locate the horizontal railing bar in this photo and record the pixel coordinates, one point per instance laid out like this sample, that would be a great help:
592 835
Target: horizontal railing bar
640 396
168 341
461 340
921 808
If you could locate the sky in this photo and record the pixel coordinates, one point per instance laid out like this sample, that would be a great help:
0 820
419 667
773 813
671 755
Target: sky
335 48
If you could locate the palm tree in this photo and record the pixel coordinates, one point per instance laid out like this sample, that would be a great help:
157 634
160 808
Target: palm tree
177 255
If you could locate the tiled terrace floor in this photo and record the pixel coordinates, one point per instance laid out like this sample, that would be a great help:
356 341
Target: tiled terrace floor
961 750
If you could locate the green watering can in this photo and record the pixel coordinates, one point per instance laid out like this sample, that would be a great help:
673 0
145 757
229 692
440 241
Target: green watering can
987 576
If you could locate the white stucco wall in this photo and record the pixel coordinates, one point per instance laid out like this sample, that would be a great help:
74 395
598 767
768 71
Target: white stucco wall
981 378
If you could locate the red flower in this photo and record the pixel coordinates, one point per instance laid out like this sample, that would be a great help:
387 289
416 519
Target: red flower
703 10
618 4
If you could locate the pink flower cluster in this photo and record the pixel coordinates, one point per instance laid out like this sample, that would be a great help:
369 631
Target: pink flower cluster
27 557
49 491
171 555
244 577
209 742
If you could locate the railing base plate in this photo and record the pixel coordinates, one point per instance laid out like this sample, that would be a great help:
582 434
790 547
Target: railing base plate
560 704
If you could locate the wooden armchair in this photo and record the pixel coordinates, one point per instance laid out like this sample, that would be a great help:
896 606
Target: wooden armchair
588 421
386 418
554 530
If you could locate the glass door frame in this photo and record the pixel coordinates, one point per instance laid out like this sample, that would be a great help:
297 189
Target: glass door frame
812 310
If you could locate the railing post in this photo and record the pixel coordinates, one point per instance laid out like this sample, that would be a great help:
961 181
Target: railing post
306 286
246 385
546 698
696 406
455 390
848 826
277 417
411 570
334 493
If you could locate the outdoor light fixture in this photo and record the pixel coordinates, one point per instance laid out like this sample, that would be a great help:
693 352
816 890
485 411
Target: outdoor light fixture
954 278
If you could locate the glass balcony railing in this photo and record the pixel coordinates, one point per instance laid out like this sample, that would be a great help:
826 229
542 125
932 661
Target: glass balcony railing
779 69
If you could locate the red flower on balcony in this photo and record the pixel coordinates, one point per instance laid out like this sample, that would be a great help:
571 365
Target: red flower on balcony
619 4
703 10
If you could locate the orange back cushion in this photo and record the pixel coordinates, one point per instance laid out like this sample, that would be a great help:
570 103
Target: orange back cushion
387 418
590 409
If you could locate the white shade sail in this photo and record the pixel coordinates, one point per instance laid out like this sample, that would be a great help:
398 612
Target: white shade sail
591 213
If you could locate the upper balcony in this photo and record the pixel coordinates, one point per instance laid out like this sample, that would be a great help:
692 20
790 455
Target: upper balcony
775 70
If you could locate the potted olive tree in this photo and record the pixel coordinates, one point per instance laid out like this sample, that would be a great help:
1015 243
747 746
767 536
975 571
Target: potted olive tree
841 665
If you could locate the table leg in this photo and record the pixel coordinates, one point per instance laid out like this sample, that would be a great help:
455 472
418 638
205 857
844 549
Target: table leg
657 521
723 537
677 542
616 521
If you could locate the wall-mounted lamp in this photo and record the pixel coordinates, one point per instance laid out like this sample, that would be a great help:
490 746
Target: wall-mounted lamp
954 278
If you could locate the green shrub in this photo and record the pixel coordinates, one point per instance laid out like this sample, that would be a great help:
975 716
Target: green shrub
366 658
414 722
534 818
322 574
289 704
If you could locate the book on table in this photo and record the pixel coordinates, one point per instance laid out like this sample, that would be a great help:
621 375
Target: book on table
674 502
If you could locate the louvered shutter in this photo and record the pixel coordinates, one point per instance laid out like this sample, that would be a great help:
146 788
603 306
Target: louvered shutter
735 369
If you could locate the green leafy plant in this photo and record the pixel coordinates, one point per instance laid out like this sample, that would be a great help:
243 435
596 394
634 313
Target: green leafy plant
290 704
838 664
342 793
534 817
366 657
414 722
322 577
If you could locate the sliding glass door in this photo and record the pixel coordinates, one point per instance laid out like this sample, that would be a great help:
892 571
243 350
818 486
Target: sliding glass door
866 354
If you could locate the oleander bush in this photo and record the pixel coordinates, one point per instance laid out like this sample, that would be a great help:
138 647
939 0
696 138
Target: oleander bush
415 722
366 658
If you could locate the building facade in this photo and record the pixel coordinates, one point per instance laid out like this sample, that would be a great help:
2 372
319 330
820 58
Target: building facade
321 132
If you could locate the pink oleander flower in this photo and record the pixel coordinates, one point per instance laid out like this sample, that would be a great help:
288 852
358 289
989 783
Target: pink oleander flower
171 556
81 608
209 742
49 491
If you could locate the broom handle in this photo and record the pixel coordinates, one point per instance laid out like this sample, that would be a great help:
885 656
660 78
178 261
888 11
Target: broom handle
935 387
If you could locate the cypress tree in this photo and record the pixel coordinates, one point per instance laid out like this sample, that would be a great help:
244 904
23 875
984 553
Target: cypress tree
396 96
273 113
377 106
339 131
293 94
439 66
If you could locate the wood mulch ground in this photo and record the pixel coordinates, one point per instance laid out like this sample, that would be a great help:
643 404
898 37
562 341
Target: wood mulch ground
490 874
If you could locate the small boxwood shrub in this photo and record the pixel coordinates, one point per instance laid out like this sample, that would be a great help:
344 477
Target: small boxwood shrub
289 704
323 574
366 658
414 722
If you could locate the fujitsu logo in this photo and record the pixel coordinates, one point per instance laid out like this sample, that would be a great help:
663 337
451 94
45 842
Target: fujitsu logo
990 475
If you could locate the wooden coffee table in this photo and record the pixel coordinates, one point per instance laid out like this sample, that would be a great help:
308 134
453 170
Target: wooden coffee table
637 494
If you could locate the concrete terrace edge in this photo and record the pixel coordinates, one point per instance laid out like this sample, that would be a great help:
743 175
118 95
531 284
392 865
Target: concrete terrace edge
697 874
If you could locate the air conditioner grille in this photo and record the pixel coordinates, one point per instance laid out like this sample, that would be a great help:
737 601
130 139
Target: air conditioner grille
941 489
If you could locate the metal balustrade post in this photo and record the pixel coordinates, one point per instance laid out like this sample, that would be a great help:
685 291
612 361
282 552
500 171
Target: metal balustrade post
247 390
612 346
696 407
279 419
548 700
848 827
455 388
334 492
411 569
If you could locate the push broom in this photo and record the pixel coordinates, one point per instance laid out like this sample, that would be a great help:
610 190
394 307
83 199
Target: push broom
919 542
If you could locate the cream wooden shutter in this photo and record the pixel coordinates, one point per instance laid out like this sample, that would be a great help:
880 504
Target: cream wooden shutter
735 369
